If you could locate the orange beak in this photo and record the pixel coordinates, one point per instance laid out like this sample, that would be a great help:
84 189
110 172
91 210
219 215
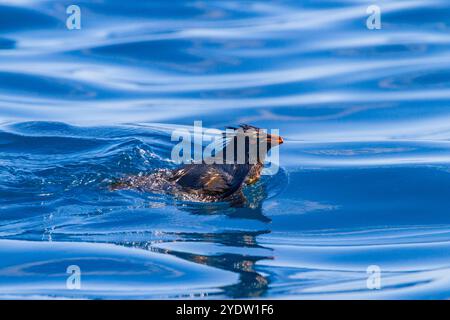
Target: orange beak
275 139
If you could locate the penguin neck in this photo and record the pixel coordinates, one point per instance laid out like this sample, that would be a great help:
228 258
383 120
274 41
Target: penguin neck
230 154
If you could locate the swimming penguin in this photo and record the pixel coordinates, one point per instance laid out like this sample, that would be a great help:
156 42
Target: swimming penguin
207 181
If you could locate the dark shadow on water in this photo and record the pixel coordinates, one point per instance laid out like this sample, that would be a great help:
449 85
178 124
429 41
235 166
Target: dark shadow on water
251 283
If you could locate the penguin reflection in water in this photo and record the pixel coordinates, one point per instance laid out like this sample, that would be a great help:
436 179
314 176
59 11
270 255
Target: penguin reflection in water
241 161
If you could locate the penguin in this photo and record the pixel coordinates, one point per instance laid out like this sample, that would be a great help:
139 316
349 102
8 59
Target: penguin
237 164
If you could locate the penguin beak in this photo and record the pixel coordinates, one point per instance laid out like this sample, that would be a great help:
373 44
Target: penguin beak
273 139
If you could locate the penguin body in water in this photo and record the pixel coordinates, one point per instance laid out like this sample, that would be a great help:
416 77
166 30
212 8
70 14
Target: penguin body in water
239 163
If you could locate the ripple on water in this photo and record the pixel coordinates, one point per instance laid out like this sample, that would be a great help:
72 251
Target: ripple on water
364 171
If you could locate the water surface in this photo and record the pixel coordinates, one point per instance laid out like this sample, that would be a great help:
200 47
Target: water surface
364 177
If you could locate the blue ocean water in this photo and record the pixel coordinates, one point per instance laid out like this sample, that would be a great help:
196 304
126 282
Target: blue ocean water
365 167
